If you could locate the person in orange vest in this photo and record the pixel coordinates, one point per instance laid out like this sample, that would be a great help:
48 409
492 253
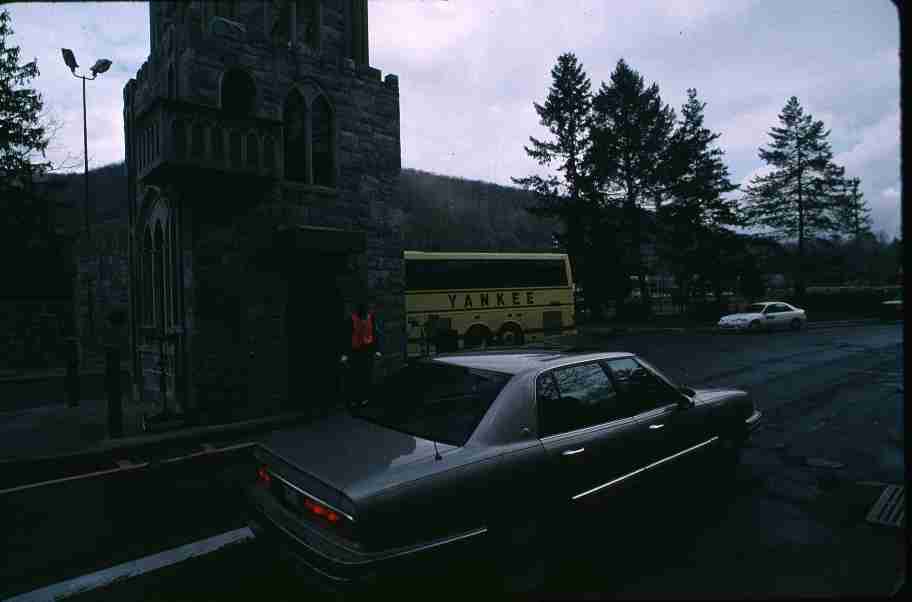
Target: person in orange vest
363 344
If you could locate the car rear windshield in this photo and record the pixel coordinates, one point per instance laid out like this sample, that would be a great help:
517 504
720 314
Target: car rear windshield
434 401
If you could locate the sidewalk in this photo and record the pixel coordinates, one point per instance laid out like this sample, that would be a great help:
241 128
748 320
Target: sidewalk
54 429
55 441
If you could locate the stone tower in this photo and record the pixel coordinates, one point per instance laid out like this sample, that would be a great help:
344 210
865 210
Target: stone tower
262 150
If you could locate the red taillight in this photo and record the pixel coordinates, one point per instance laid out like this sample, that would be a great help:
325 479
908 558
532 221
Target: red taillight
263 476
321 511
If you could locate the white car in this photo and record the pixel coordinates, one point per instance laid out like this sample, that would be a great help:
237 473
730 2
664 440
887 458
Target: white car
765 315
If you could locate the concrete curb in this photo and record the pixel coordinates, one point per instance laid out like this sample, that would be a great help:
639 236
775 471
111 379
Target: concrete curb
105 455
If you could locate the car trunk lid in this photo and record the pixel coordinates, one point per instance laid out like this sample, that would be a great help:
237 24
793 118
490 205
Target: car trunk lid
343 451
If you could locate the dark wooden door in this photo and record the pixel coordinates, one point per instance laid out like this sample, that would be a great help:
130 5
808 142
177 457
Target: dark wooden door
314 334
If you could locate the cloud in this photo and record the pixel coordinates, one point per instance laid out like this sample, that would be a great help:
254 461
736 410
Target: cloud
116 30
878 141
469 71
748 130
890 193
765 170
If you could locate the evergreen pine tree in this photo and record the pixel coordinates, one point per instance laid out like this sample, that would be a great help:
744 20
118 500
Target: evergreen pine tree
21 134
694 203
26 232
853 213
630 141
566 114
798 199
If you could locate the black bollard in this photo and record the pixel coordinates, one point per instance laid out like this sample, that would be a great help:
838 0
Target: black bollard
112 387
71 381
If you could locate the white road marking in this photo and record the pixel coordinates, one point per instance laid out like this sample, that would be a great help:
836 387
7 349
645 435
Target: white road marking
124 465
134 568
73 478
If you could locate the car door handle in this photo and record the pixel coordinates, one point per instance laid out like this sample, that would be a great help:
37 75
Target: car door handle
653 427
573 452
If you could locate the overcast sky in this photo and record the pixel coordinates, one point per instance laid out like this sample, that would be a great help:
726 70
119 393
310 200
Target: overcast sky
470 70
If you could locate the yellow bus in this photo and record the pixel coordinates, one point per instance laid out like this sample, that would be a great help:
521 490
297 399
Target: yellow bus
480 299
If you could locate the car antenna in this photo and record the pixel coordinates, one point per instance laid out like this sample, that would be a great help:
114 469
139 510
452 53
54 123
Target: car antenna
436 452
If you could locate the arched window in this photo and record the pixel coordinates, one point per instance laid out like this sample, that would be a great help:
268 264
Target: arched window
168 273
238 93
148 301
295 118
159 282
322 143
309 140
175 271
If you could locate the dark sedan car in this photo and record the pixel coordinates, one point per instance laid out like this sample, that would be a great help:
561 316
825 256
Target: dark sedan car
471 448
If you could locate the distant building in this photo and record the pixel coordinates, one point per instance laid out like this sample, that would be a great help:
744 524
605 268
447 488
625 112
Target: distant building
262 151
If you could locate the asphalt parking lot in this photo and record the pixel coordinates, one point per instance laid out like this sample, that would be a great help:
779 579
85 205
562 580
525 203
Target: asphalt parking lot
793 523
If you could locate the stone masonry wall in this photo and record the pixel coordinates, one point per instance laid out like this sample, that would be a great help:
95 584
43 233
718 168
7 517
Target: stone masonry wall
235 302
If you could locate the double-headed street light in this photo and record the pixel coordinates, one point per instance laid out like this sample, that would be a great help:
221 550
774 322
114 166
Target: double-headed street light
100 66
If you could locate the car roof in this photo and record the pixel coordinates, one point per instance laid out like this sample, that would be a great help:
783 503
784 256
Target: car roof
519 361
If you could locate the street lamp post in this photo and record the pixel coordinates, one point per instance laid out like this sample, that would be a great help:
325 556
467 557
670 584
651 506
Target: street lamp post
100 66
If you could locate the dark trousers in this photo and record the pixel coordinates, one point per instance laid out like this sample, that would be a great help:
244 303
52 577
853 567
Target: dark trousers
360 375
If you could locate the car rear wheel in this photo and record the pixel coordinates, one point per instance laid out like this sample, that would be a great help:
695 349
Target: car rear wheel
796 324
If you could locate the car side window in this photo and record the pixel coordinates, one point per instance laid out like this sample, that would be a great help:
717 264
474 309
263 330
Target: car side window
575 397
782 308
641 390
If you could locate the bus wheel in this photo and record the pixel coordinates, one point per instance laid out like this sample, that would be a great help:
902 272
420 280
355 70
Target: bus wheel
475 337
511 334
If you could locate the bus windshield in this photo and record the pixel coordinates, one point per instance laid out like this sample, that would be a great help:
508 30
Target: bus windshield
448 274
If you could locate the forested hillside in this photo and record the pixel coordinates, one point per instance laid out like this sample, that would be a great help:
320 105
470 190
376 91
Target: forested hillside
447 213
440 212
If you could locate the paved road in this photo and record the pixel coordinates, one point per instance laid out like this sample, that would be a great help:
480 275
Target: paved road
793 524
